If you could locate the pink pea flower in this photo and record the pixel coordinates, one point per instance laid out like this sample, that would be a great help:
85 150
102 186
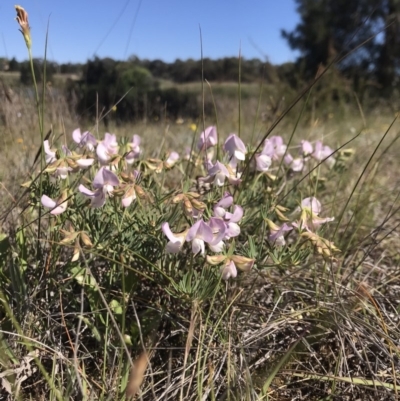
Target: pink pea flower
310 219
84 163
57 206
84 140
176 241
263 162
208 138
129 197
296 164
225 202
103 183
235 148
136 150
321 152
130 188
230 219
306 148
277 234
229 270
173 157
218 228
198 234
50 155
107 148
62 171
63 168
231 264
274 147
59 166
218 172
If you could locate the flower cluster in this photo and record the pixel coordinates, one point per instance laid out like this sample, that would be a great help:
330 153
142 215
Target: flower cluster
274 149
308 221
222 226
307 152
227 168
213 224
112 177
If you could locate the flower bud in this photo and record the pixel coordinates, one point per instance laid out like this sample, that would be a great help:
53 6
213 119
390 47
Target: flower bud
22 19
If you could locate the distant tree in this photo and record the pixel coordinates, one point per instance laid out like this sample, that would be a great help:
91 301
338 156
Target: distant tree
39 69
71 68
107 82
13 65
134 84
4 64
388 60
336 27
158 68
331 27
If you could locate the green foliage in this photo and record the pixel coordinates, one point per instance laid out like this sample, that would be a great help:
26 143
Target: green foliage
38 65
363 36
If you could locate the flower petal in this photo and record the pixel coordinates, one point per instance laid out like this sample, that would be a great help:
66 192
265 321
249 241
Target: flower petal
76 135
312 203
48 202
200 230
57 207
198 246
83 190
263 162
229 270
232 231
84 163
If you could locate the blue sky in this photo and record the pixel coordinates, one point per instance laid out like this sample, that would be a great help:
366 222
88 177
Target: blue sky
163 29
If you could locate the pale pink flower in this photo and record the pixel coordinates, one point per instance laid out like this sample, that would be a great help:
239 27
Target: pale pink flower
84 140
231 264
218 172
85 163
50 155
198 234
208 138
172 158
296 164
310 219
274 147
229 270
107 148
103 183
176 241
218 228
306 148
57 206
321 152
277 234
230 219
311 203
235 148
136 150
263 162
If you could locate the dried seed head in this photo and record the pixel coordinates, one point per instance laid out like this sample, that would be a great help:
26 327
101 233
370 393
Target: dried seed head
22 19
137 375
86 240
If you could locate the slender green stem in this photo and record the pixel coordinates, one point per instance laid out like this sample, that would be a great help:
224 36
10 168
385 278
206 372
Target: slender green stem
42 159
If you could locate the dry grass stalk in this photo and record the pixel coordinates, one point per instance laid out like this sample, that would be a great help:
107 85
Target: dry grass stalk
137 375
